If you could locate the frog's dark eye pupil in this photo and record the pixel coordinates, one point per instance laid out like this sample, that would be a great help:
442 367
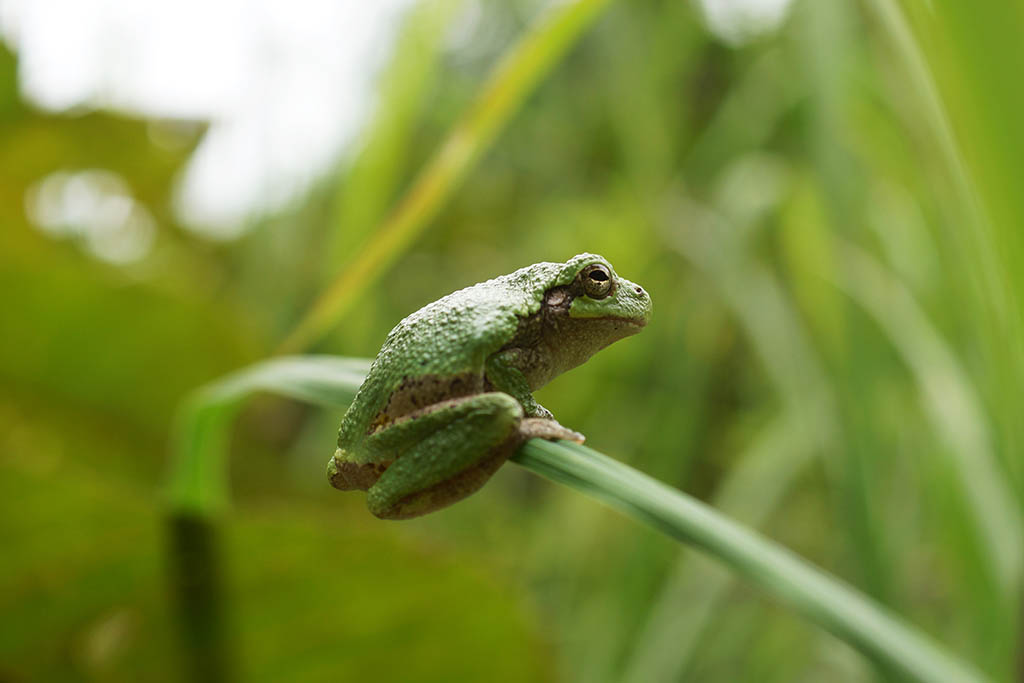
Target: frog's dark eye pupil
598 275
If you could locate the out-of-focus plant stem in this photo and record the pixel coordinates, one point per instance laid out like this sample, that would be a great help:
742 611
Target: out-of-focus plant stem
197 492
511 82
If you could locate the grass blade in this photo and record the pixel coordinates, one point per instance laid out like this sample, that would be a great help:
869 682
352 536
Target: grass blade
197 484
784 576
368 186
197 491
952 405
513 79
752 491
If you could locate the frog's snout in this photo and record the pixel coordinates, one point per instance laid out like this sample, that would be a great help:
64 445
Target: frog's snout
636 302
642 294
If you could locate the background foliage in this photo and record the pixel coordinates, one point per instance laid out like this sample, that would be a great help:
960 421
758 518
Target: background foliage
827 221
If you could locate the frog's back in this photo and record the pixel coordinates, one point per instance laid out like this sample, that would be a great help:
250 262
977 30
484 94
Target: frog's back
440 350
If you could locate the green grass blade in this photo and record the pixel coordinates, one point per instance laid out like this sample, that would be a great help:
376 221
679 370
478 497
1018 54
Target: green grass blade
953 407
367 188
957 58
754 488
514 78
784 576
197 484
720 248
198 489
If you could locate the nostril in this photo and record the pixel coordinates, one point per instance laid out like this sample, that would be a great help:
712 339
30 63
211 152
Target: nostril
639 290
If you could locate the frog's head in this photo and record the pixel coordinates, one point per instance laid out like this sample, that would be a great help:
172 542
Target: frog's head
598 293
587 308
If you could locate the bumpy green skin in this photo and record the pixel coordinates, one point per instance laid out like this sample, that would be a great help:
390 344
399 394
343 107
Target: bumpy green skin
448 399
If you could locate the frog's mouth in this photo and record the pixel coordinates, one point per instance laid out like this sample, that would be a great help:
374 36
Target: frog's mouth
638 323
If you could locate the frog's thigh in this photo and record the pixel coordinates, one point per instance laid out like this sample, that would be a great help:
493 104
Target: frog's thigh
473 437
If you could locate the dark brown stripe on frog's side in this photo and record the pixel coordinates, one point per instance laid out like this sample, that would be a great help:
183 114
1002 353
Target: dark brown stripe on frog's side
416 393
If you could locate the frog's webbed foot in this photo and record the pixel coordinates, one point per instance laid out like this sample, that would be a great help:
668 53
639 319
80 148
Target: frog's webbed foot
547 428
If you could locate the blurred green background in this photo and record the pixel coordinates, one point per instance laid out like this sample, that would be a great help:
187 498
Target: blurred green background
826 213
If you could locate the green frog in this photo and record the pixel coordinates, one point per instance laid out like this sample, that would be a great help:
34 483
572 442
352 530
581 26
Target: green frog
449 397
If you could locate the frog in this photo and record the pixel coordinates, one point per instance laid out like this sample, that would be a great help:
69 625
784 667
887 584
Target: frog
449 397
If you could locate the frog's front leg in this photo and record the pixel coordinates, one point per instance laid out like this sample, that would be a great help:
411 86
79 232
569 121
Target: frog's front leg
505 377
443 453
539 422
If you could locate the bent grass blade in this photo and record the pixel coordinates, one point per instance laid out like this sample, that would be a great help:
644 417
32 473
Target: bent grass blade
197 486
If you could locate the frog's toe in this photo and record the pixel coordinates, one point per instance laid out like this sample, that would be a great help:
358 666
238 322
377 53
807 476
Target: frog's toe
542 428
543 413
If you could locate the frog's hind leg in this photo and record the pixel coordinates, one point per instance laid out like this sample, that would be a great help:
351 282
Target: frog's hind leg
471 439
346 475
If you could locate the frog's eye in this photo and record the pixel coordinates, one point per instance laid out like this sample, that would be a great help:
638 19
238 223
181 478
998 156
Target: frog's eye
597 281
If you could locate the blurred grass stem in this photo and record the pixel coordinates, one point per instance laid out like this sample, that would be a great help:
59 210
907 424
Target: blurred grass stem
510 83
